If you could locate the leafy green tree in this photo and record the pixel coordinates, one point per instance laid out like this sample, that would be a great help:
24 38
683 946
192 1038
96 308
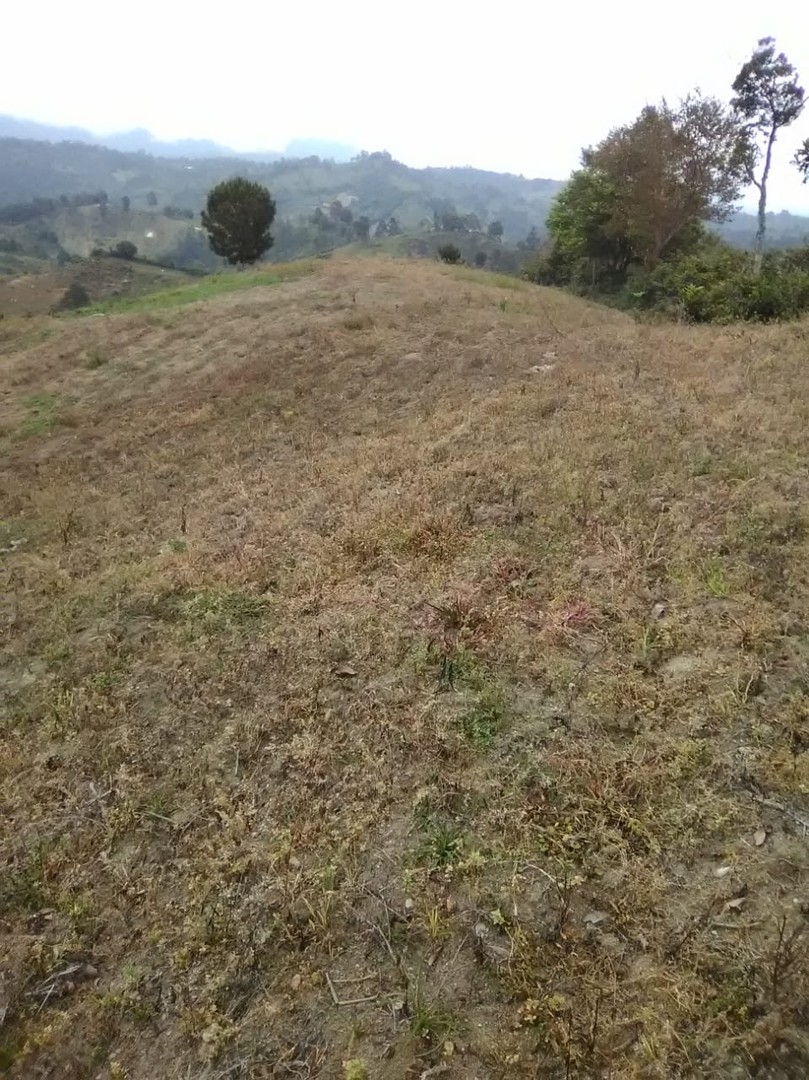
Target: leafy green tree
449 253
125 249
126 202
151 199
237 219
495 230
767 98
586 246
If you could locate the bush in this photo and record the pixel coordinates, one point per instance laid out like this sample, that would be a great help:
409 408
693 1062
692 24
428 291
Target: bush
721 285
75 296
480 259
449 253
124 249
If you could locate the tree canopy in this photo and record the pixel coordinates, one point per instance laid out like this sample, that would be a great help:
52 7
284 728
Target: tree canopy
237 218
669 168
645 190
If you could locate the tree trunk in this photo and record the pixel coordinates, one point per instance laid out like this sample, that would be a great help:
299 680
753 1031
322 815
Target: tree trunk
762 202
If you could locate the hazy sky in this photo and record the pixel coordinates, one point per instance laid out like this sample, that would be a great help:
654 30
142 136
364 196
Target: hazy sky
516 85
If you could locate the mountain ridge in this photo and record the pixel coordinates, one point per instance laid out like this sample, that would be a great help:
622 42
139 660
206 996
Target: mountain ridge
137 140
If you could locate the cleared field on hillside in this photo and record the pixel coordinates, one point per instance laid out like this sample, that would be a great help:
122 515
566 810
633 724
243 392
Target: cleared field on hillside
38 292
403 669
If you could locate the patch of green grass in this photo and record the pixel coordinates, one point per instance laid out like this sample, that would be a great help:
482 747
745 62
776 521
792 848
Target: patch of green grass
715 580
453 667
219 610
488 277
482 721
41 414
205 289
24 888
102 682
702 464
429 1019
442 846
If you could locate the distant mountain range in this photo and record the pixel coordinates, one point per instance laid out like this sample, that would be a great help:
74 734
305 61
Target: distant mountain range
139 140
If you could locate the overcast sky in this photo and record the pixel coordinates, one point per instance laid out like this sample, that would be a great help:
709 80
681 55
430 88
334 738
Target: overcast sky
515 85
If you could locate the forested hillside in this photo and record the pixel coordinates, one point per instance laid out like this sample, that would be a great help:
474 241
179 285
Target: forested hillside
95 196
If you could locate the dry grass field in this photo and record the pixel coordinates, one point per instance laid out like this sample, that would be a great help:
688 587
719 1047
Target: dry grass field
405 674
36 293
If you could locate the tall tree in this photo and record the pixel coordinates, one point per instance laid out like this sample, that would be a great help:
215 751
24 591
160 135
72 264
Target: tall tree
237 219
767 98
670 168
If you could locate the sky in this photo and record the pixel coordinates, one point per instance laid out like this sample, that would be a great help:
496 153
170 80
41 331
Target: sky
518 85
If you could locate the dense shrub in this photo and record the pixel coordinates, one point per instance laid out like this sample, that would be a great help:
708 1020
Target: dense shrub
124 249
721 285
75 296
449 253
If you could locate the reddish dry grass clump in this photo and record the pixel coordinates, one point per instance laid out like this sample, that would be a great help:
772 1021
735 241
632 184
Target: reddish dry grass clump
376 693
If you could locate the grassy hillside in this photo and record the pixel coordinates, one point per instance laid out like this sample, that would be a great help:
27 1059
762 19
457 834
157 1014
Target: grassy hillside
32 288
406 669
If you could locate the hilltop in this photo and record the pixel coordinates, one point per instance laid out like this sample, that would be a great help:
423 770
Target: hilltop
403 666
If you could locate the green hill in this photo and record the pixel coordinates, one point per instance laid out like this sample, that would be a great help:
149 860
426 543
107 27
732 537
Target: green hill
88 185
373 183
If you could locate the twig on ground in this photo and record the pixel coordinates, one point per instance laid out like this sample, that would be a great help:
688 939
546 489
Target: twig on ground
346 1001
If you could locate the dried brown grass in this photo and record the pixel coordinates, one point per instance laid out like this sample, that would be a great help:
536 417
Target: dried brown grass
342 645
